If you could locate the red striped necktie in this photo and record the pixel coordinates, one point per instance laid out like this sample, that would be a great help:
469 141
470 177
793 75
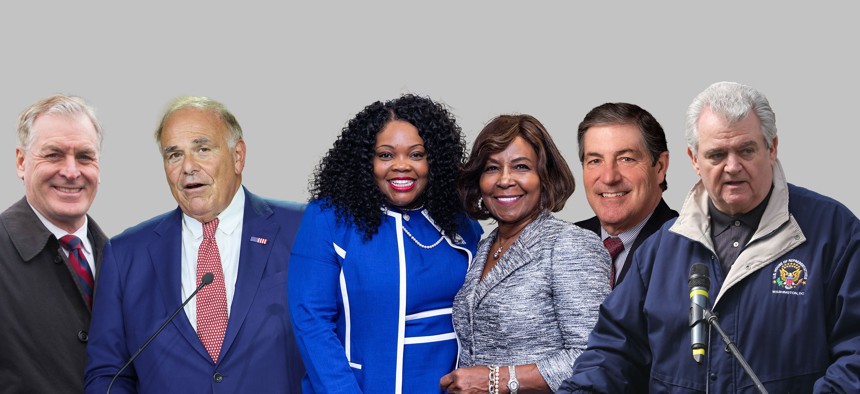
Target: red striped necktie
212 299
79 264
614 246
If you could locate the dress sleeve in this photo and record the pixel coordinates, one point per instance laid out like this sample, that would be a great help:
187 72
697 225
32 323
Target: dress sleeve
579 281
314 277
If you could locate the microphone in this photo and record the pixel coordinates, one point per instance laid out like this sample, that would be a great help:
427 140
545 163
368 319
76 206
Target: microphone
699 284
207 279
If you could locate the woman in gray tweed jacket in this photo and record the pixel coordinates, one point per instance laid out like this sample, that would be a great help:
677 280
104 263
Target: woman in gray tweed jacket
532 292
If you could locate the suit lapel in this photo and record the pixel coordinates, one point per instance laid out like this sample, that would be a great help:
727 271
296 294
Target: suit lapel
99 239
661 214
166 255
517 255
253 258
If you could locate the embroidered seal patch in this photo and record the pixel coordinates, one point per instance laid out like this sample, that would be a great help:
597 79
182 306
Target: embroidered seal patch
789 277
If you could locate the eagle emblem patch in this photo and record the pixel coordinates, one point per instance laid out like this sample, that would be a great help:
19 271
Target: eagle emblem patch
789 277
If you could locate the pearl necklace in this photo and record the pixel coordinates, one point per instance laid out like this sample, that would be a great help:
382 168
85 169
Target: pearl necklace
419 243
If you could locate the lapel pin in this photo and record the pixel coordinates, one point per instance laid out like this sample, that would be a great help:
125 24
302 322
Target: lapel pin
261 241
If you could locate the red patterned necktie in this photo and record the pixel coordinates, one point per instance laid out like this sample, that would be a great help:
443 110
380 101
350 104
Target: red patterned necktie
79 264
614 246
212 298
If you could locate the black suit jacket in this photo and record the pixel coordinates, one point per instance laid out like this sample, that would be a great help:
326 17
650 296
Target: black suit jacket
662 214
43 315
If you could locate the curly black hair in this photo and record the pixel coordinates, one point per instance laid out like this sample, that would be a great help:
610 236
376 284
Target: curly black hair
344 177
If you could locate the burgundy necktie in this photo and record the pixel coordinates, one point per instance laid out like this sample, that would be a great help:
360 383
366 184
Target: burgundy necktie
212 299
614 246
79 264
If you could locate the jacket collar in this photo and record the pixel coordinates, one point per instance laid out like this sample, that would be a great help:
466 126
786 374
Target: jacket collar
517 255
30 237
694 224
26 231
253 258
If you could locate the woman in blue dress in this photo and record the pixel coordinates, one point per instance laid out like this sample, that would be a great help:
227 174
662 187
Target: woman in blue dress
381 252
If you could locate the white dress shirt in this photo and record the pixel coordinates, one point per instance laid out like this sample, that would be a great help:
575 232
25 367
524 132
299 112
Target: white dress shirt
228 236
81 233
627 238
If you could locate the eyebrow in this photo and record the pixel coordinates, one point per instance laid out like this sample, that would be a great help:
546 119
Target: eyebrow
741 146
515 160
56 148
392 147
196 141
616 153
51 147
87 151
748 144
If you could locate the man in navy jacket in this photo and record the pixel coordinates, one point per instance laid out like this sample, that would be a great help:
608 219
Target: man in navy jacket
624 159
151 268
783 263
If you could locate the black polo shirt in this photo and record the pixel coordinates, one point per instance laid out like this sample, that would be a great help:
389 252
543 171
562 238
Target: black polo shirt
731 234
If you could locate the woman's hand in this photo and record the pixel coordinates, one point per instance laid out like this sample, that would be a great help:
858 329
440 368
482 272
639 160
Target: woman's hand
470 380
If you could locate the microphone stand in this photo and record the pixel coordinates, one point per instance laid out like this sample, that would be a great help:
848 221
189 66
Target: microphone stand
733 350
205 280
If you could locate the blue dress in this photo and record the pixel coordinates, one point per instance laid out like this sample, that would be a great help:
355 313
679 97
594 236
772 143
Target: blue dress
374 316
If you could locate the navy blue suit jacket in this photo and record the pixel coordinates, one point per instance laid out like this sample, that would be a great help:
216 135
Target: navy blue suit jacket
139 287
662 214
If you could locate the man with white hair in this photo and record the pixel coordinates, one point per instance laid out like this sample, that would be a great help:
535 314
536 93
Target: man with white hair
783 266
221 256
50 249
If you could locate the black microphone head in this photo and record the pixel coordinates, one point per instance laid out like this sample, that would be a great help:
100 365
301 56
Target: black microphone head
207 278
699 276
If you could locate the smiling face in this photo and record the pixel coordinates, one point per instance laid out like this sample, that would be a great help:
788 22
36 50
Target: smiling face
60 169
510 185
621 184
400 164
203 171
733 161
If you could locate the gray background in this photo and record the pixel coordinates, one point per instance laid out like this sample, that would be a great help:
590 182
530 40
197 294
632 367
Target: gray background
293 74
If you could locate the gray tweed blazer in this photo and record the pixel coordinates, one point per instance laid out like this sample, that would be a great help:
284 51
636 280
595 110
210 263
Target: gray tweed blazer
538 304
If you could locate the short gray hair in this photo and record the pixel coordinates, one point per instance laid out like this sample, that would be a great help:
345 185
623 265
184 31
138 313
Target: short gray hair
205 104
60 104
734 102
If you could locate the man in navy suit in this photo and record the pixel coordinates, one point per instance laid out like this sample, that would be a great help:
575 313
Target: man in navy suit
234 335
624 159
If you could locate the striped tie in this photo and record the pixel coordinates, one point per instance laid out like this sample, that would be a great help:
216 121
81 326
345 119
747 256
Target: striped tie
79 264
614 246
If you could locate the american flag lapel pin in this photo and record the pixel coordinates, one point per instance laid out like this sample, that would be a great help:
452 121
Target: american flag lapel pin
261 241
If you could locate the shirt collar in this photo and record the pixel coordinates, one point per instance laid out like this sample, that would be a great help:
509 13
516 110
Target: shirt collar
627 237
229 218
60 233
721 221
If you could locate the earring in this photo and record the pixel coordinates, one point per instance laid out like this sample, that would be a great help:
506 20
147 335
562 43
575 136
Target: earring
480 203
